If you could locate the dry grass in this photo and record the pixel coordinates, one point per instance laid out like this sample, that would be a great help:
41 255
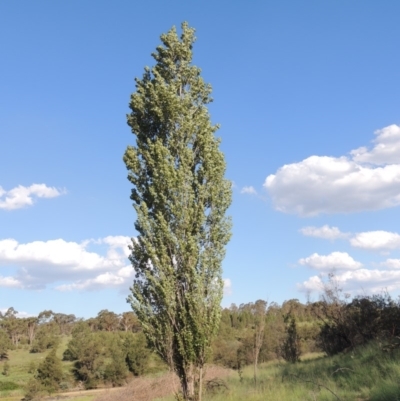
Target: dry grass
151 388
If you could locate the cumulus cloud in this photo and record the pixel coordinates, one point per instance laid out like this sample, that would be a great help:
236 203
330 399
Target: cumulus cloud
391 263
386 148
227 286
248 190
324 232
333 261
104 280
367 180
42 263
376 240
358 281
21 196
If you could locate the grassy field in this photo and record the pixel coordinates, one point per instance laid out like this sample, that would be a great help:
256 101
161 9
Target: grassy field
365 374
22 365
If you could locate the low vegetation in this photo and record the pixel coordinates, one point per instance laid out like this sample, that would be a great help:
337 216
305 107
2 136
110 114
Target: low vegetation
369 373
354 344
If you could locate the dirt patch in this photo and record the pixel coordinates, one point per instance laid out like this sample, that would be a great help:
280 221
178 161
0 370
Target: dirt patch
150 388
71 395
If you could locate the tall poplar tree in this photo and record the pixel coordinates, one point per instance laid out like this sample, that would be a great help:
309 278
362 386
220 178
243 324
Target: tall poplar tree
180 197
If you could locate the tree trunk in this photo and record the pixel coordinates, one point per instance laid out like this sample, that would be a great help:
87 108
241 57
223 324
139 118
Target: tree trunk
187 383
200 384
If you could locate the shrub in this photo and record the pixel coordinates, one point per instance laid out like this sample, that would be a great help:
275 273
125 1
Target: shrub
49 372
33 389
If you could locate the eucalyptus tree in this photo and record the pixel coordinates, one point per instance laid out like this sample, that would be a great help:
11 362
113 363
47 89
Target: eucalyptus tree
180 197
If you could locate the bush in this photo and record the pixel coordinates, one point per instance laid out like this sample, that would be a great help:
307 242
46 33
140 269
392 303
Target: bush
33 389
49 372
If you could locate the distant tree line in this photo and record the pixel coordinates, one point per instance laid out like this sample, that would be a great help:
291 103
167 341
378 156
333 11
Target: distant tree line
111 347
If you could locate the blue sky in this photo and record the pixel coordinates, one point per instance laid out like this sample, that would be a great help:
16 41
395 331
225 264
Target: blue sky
307 97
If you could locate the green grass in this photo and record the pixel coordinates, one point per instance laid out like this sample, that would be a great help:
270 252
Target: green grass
21 362
366 374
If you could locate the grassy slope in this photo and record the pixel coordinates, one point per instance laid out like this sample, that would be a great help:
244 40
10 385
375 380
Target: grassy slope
365 374
20 361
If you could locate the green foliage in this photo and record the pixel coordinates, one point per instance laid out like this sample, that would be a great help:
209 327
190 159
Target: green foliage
130 322
107 321
33 389
87 351
80 335
47 379
5 345
45 339
137 354
180 197
290 347
13 326
50 373
115 371
348 324
225 352
235 344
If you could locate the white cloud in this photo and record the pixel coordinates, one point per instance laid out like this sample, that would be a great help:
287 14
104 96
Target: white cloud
21 196
386 149
41 263
322 184
376 240
333 261
57 253
248 190
358 281
105 280
391 263
9 282
324 232
314 283
227 286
